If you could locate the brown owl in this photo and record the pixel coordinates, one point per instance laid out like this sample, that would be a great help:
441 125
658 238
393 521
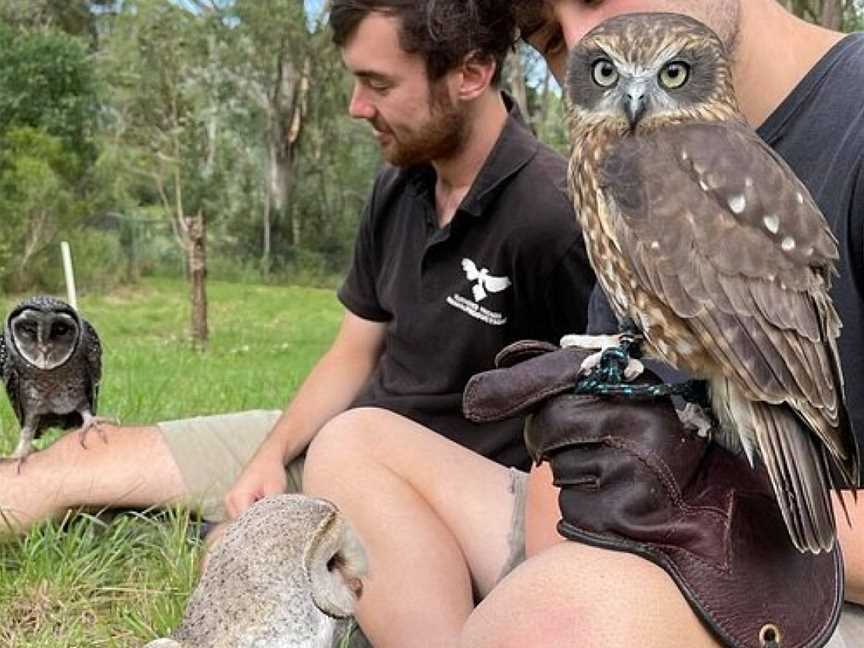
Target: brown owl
705 239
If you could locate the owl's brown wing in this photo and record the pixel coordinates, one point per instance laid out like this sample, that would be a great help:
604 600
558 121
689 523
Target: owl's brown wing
93 365
10 379
722 232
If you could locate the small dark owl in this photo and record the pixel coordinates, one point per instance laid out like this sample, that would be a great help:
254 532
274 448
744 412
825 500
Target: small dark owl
51 364
705 239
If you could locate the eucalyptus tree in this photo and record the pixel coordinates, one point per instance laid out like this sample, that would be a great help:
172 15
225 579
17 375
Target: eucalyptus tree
48 116
155 60
833 14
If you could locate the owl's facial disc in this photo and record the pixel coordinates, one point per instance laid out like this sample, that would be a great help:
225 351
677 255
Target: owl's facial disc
632 91
45 340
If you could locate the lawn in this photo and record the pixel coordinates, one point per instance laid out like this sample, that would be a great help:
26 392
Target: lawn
117 583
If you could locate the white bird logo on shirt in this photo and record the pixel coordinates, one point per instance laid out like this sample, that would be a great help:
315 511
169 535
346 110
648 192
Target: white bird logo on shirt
484 281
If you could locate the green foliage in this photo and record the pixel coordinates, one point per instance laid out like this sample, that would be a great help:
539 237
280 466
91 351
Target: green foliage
47 83
36 199
99 259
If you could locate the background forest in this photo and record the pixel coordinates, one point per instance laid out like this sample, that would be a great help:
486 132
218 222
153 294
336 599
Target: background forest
140 129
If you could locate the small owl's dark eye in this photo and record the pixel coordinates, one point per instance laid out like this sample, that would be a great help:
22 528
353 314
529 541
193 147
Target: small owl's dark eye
604 73
674 75
59 329
27 330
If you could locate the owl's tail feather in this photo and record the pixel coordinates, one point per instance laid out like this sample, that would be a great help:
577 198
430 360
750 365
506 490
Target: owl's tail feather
799 475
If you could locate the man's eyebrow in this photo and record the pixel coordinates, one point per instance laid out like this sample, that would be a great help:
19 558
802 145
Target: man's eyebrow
371 75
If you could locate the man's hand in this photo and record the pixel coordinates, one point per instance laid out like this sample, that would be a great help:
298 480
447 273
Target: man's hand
264 475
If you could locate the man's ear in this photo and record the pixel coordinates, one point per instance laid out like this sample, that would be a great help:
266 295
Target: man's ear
475 76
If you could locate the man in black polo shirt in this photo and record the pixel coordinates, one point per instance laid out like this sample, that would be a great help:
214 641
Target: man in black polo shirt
468 243
804 86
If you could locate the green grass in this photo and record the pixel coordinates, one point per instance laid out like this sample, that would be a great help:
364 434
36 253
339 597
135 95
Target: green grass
94 583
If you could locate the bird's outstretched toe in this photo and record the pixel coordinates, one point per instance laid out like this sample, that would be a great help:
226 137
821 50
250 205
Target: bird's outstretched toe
624 341
16 460
695 417
94 422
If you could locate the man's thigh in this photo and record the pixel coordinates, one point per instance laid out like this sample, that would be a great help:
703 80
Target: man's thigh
574 595
850 630
356 457
211 451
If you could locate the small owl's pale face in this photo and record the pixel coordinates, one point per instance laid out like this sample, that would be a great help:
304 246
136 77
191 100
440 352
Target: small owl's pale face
45 339
640 70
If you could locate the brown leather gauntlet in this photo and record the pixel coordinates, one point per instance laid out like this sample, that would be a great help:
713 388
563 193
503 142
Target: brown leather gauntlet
634 479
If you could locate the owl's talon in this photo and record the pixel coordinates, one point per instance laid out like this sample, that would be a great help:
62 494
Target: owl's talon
15 458
94 422
697 418
590 362
633 370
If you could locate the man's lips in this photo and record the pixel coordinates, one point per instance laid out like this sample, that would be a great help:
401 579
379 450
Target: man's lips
381 135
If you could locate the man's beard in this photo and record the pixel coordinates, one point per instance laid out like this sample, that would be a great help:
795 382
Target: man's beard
441 137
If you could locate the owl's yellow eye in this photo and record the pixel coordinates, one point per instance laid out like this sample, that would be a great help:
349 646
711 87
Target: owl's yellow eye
674 75
604 73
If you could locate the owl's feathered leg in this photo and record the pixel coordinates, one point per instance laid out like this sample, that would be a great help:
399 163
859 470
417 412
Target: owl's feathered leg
25 443
633 368
91 422
607 373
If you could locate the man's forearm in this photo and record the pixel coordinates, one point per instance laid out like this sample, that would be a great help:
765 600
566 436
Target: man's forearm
329 389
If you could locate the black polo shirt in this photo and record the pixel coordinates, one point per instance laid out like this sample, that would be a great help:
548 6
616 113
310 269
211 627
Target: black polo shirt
510 265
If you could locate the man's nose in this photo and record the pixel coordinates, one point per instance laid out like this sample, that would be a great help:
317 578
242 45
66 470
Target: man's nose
360 107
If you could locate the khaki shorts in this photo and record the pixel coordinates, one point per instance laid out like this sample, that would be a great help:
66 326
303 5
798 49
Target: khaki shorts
211 451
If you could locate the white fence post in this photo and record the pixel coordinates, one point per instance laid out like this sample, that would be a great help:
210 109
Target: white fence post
71 295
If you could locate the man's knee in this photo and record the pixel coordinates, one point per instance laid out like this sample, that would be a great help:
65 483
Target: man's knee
575 595
341 444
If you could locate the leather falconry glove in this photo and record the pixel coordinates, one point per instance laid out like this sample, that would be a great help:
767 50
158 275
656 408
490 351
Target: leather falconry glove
634 478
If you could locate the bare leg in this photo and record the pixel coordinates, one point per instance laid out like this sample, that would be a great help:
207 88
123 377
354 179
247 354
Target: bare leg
575 596
134 469
571 595
433 518
541 511
852 543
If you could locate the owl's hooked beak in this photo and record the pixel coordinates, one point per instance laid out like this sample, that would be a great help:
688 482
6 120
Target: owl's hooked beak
634 101
43 361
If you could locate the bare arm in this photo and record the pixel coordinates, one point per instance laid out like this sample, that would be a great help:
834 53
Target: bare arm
852 544
329 389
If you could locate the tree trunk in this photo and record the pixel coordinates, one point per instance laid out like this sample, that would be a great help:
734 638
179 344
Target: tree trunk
832 14
516 83
286 110
267 244
197 259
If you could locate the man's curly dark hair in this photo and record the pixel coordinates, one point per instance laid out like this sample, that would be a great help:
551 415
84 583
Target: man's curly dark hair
529 15
443 32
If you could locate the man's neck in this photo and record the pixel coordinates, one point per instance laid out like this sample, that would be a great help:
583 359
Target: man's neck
457 174
774 52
